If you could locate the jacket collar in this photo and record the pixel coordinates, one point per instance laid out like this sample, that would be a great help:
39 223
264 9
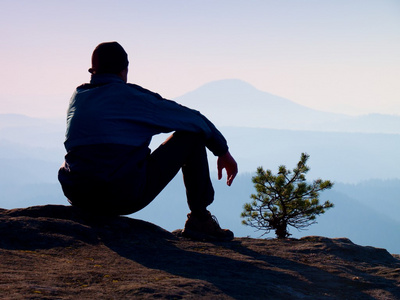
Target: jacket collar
105 78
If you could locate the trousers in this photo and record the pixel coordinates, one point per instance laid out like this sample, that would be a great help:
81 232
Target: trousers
133 186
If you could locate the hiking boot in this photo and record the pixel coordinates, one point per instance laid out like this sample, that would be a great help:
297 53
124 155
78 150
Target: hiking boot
205 228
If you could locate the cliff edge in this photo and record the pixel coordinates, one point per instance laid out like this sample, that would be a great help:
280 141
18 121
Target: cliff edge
56 252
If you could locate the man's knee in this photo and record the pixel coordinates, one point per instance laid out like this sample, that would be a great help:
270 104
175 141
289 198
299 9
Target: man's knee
189 137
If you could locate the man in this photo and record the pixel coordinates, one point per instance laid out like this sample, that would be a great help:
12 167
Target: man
108 168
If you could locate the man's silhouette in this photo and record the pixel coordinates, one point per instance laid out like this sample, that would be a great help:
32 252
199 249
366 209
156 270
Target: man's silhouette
108 168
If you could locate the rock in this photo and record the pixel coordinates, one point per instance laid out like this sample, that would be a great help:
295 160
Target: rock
58 252
61 226
346 249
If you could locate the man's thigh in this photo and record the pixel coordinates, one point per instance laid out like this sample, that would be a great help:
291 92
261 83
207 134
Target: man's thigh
166 161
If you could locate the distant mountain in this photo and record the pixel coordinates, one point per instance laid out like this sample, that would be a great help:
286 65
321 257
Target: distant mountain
355 218
338 156
17 120
234 102
352 217
28 143
31 151
24 130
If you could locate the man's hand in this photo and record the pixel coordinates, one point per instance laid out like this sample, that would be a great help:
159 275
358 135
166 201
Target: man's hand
227 162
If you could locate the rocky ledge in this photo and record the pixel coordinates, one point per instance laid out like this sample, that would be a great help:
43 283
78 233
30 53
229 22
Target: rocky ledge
56 252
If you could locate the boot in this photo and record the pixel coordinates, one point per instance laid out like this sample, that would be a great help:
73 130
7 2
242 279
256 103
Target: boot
205 228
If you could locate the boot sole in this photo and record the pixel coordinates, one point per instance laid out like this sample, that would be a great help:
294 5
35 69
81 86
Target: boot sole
200 236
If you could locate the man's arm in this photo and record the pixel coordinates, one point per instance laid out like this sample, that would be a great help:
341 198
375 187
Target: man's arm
228 163
167 115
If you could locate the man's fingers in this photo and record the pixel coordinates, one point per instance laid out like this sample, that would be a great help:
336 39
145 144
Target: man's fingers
227 162
231 178
219 173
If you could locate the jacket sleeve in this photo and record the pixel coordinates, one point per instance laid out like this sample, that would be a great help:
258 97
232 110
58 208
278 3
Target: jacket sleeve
168 116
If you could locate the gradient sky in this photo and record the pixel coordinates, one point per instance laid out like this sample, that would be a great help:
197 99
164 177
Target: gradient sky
339 56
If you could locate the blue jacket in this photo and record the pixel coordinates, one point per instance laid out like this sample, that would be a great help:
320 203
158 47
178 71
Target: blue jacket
110 111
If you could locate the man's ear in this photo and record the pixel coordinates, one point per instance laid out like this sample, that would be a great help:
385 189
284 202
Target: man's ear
124 74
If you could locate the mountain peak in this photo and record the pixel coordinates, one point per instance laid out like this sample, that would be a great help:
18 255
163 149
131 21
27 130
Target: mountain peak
233 102
225 87
226 84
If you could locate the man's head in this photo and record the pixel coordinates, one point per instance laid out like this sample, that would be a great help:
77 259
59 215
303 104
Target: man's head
109 58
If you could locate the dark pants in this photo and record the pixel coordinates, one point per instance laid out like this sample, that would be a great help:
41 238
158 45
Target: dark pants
181 150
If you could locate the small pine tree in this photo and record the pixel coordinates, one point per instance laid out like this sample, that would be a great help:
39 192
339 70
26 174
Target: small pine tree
285 199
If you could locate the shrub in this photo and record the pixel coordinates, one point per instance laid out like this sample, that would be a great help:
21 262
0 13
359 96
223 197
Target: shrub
285 199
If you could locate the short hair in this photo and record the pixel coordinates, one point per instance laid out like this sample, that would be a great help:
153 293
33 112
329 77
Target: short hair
109 57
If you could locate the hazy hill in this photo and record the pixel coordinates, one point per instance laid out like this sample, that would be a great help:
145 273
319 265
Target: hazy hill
362 222
234 102
339 156
31 151
56 252
27 131
17 121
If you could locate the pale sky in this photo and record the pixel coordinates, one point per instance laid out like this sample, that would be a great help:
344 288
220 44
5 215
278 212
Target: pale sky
340 55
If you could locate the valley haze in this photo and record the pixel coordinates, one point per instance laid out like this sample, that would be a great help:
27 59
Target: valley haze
358 153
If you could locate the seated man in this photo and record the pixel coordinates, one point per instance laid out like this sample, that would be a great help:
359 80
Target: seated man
108 168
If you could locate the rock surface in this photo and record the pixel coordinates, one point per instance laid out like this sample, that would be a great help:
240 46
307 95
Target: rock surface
56 252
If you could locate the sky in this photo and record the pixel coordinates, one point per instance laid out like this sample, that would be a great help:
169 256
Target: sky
340 56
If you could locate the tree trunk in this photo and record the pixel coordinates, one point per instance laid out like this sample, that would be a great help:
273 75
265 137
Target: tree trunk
281 230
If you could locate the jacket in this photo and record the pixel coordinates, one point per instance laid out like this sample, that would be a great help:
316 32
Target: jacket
110 111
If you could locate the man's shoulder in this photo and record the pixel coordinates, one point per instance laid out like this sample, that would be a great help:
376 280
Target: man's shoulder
88 86
143 90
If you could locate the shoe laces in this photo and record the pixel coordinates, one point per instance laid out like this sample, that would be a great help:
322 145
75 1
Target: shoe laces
215 221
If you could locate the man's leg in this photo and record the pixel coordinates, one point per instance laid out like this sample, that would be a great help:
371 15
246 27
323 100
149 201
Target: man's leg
184 151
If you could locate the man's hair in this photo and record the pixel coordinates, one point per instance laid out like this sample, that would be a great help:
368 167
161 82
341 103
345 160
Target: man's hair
109 57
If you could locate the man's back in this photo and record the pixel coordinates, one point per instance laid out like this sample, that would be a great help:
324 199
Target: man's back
109 169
